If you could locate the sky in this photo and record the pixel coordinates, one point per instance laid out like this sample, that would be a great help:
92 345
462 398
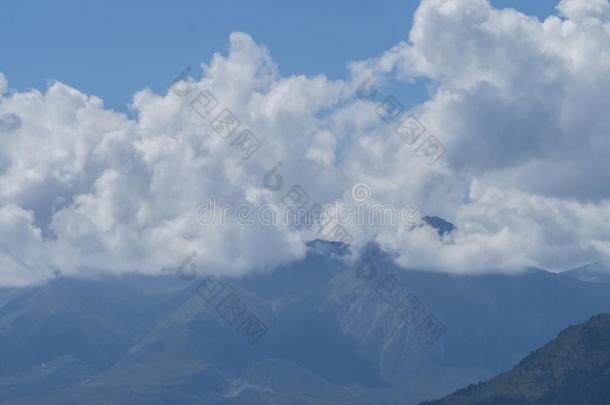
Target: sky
114 48
492 115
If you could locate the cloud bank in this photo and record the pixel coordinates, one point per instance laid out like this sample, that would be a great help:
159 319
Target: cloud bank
520 106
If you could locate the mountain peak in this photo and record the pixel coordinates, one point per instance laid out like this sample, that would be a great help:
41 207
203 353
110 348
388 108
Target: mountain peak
442 227
327 247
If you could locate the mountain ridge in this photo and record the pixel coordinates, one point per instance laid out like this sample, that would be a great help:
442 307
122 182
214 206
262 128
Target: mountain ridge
573 368
332 334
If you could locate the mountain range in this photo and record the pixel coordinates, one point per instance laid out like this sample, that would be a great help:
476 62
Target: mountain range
322 330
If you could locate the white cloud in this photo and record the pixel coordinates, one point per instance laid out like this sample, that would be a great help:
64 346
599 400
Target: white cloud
519 104
3 84
579 10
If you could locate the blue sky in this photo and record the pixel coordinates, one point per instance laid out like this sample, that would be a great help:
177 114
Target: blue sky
113 48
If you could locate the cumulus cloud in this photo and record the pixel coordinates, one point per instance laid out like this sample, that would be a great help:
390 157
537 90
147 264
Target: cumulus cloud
578 10
518 104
